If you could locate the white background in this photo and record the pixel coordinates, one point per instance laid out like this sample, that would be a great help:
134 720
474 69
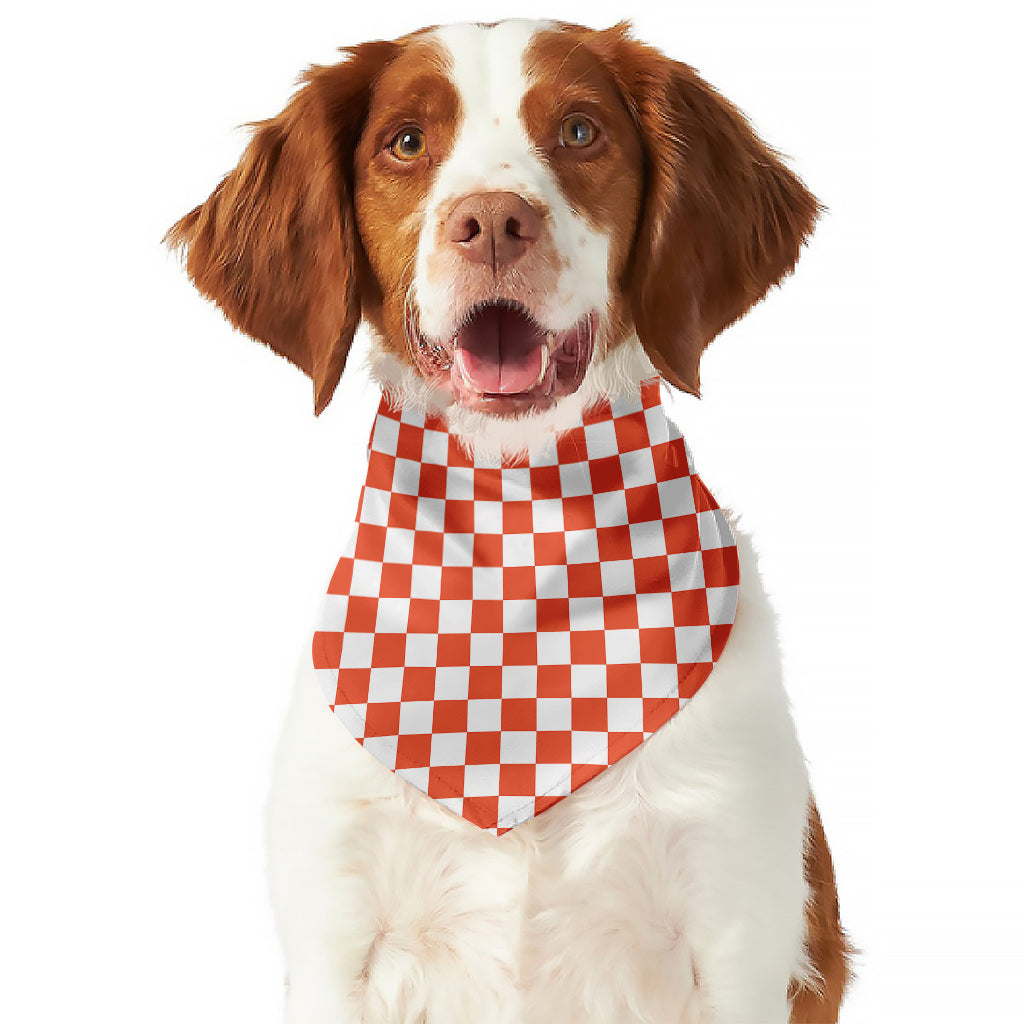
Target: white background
171 508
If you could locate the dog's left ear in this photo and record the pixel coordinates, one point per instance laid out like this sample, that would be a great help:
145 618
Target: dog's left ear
723 218
275 245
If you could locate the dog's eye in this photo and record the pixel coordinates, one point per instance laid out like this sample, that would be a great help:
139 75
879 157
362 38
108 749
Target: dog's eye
577 132
409 144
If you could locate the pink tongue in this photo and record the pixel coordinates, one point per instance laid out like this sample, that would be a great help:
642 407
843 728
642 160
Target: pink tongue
500 350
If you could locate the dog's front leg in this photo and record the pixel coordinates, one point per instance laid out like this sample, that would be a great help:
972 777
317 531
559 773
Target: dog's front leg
390 908
324 922
735 784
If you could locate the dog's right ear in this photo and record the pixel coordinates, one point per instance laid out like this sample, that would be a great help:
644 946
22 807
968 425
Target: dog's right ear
275 245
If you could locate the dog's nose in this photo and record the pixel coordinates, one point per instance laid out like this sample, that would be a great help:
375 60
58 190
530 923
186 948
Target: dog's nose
493 227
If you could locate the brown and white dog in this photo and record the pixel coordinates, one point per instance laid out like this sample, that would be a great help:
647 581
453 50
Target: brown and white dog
603 209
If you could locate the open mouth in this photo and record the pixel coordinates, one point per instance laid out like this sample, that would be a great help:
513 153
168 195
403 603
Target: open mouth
500 358
501 351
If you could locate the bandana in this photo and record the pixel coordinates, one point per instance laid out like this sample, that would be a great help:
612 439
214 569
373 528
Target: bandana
498 635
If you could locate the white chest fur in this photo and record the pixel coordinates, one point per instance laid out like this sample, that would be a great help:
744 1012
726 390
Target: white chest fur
634 900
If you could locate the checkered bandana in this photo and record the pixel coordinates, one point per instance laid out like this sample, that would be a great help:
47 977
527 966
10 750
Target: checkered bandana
499 635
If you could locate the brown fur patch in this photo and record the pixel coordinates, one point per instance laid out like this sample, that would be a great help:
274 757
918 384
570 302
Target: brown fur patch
602 182
723 219
828 947
390 196
275 245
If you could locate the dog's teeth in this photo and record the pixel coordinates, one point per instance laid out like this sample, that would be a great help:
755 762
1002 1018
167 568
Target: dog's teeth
545 358
550 340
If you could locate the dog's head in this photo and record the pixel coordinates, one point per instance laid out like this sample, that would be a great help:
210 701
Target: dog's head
507 206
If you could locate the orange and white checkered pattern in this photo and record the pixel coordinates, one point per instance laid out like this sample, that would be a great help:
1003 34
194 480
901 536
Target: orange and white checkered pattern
498 635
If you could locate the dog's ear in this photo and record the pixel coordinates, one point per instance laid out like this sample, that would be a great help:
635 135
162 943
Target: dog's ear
723 219
275 245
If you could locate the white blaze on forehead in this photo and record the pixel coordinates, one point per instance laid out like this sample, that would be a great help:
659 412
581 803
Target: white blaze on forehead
487 71
493 152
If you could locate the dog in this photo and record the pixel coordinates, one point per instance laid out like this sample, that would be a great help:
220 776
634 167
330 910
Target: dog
535 220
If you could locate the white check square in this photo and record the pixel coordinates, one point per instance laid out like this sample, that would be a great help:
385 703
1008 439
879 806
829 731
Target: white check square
588 680
575 478
722 605
552 581
407 477
657 680
647 539
638 465
548 516
435 448
482 780
483 715
714 530
386 685
519 616
488 582
589 747
554 779
398 545
451 682
392 615
455 616
625 714
515 484
459 486
518 747
457 550
332 618
375 507
676 497
654 610
552 648
693 644
554 714
385 435
517 681
430 514
610 508
514 810
586 613
517 549
622 646
657 425
356 650
416 717
421 650
426 581
618 577
488 517
448 748
686 570
365 578
581 547
485 648
601 441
